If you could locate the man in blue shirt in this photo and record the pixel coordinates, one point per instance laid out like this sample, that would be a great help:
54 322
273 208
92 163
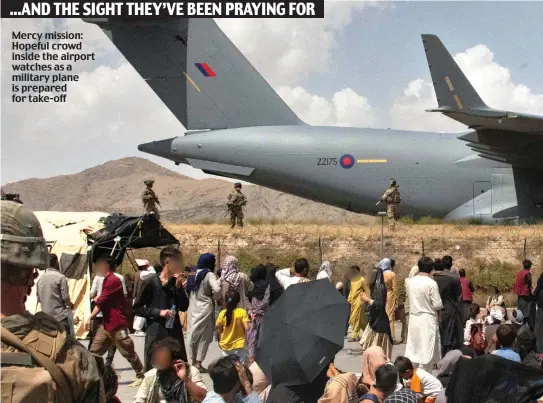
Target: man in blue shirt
231 383
506 335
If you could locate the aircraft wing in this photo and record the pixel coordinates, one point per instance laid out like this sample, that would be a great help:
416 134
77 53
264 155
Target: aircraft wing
502 136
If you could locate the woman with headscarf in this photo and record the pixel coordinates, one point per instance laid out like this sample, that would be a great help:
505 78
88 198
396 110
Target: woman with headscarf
377 332
372 359
232 278
259 301
325 271
276 289
390 282
203 289
451 327
358 319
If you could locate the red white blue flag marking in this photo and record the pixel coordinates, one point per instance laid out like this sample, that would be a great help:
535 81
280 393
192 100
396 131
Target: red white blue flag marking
205 69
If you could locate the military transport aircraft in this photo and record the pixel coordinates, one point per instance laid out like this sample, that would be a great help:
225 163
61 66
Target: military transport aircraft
238 127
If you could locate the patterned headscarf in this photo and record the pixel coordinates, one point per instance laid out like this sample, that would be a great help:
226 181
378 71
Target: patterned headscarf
326 266
230 272
384 265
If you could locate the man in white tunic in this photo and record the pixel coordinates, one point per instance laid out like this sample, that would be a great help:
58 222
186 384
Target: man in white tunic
423 341
203 288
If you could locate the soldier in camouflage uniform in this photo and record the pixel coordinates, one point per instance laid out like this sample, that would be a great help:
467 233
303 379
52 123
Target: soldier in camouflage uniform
236 202
39 340
391 197
150 200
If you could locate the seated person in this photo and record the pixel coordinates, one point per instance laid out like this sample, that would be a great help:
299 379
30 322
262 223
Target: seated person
111 385
517 320
232 382
308 393
495 301
425 385
404 395
492 323
261 385
446 366
341 387
171 379
525 347
386 381
506 335
473 319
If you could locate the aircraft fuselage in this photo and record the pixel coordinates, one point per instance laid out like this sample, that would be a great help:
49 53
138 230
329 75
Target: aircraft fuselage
307 161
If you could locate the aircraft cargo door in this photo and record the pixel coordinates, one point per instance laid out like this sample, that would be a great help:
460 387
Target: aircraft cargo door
482 198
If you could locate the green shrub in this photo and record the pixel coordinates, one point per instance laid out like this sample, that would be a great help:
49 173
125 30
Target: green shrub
475 221
496 273
429 221
406 219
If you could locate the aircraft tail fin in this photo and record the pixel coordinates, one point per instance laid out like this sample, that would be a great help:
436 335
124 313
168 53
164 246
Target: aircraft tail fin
453 90
199 74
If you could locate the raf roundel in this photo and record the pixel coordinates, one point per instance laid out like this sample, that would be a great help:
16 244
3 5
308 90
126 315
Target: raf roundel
347 161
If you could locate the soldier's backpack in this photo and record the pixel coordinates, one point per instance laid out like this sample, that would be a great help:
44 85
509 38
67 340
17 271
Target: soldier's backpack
31 376
396 198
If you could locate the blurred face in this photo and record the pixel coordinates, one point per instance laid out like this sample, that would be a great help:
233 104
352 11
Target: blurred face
162 359
101 267
175 264
407 374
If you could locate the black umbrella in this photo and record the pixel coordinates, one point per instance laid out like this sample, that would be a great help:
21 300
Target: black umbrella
302 333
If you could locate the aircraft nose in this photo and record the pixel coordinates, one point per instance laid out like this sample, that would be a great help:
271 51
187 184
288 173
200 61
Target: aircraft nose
161 148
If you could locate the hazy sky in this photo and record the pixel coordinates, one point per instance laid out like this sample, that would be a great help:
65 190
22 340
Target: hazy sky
362 65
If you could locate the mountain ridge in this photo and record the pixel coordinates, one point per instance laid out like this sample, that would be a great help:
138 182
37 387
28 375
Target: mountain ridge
116 186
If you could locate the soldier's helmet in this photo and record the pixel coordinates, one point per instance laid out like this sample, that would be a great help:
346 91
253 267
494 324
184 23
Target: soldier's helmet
22 241
149 182
237 185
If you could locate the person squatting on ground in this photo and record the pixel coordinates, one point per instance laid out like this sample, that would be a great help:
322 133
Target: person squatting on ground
115 328
424 384
73 370
231 382
171 379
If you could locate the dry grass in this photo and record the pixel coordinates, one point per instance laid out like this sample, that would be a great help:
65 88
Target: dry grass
436 231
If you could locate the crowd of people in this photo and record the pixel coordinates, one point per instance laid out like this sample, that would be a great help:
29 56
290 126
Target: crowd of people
181 310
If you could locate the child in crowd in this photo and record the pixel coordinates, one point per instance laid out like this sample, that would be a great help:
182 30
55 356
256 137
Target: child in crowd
232 326
425 385
506 335
474 311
